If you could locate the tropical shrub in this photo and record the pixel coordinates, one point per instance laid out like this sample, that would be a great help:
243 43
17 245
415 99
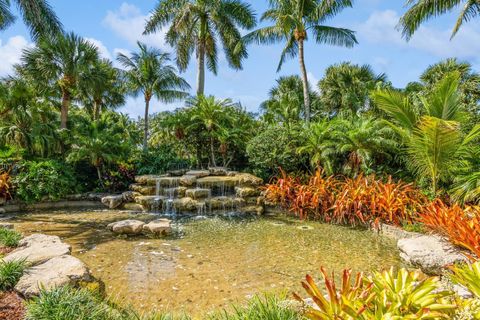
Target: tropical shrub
41 180
467 275
276 147
10 273
5 185
158 160
461 227
118 178
9 238
361 200
386 295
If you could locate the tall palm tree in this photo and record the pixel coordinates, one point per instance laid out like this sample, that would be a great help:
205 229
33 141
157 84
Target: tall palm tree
434 139
149 73
210 114
346 87
292 21
62 63
199 25
105 91
422 10
37 15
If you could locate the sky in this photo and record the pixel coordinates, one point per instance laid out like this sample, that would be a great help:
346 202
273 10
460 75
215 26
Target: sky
115 26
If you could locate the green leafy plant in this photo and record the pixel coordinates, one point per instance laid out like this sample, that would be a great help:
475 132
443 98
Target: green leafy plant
9 238
467 275
10 273
41 180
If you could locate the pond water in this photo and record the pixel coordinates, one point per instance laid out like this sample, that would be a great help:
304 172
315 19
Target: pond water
209 263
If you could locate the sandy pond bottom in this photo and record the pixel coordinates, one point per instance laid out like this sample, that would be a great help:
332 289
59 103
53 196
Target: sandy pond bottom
209 263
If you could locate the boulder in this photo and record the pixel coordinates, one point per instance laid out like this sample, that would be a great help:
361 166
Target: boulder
150 202
220 203
148 179
429 253
129 196
168 182
143 190
58 271
198 173
217 182
177 173
185 204
188 180
247 179
132 207
128 227
113 202
244 192
2 211
38 248
198 193
158 227
256 210
178 192
218 171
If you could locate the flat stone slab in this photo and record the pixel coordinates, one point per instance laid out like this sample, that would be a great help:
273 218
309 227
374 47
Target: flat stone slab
198 173
6 225
244 192
58 271
429 253
129 227
158 227
198 193
38 248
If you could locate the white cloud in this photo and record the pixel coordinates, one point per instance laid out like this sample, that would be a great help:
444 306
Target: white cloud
104 53
128 22
313 81
381 27
10 53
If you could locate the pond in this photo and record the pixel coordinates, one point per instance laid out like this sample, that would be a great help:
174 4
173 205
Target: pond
209 263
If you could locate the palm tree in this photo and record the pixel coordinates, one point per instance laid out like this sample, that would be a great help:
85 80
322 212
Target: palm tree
435 142
210 114
37 15
63 63
422 10
285 101
149 73
346 87
106 91
199 25
292 21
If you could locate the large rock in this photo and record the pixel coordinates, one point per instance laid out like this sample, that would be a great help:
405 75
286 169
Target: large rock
244 192
429 253
185 204
247 179
58 271
143 190
227 203
128 227
178 192
217 182
148 179
113 202
188 180
198 193
38 248
149 203
158 227
218 171
198 173
6 225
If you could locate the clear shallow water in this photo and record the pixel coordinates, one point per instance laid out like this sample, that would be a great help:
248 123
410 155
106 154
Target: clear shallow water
209 263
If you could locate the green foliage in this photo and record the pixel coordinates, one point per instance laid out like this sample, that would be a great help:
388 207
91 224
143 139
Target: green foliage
158 160
267 307
41 180
10 273
9 238
276 147
69 303
467 275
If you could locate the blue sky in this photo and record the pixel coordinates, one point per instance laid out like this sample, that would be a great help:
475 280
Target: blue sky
115 25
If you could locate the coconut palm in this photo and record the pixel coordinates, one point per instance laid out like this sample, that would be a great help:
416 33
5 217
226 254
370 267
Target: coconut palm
210 114
435 142
200 26
346 87
422 10
62 63
105 91
293 20
149 73
37 15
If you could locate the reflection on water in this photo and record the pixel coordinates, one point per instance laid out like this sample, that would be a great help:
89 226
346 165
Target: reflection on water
209 263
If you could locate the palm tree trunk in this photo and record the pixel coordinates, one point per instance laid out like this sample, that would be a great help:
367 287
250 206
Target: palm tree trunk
96 110
212 151
99 174
201 69
145 128
64 110
303 69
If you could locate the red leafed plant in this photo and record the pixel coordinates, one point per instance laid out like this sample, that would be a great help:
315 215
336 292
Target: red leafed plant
361 200
460 226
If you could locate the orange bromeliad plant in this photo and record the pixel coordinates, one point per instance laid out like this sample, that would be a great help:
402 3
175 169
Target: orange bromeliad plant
361 200
461 226
5 185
